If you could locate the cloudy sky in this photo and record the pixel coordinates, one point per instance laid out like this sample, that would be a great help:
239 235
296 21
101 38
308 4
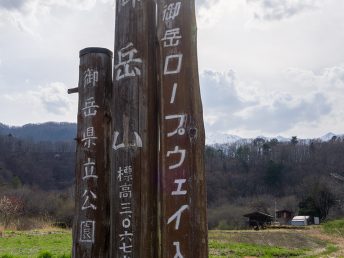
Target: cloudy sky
267 67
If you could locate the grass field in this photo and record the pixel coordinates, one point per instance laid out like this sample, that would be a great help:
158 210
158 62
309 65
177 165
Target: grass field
37 243
311 243
269 243
335 227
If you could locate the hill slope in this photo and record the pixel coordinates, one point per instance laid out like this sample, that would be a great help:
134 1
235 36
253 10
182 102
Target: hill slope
50 131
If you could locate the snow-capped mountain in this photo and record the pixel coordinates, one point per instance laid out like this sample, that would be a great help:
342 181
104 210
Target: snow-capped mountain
327 137
221 138
282 139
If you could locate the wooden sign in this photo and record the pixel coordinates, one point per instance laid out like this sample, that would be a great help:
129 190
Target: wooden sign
91 225
181 170
134 180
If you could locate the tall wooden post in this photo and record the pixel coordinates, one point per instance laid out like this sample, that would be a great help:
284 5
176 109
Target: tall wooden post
134 148
182 177
91 224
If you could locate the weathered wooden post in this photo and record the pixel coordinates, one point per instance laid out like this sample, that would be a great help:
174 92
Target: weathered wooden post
182 177
134 150
91 228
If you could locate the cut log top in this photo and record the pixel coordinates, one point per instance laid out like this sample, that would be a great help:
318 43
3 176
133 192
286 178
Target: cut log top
95 50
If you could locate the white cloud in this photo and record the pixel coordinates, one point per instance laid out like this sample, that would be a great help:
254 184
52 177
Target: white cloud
31 6
12 4
219 91
205 3
54 98
275 62
270 10
285 112
329 79
234 105
48 103
51 51
29 15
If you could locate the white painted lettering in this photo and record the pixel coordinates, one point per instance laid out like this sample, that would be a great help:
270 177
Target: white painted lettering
87 203
171 11
136 144
90 108
180 129
178 253
180 183
127 63
89 137
125 191
90 78
172 37
173 64
87 229
125 2
177 216
174 92
182 157
89 169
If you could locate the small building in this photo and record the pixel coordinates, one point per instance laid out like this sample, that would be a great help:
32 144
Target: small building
300 221
284 217
259 219
316 221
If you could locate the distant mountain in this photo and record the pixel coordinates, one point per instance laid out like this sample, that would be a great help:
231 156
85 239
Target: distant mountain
53 131
282 139
329 136
50 131
216 139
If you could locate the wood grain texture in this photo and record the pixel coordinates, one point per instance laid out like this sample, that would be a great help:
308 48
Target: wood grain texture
91 228
181 171
134 113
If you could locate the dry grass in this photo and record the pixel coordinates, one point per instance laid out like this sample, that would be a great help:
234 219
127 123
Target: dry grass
281 237
310 240
337 240
24 224
1 231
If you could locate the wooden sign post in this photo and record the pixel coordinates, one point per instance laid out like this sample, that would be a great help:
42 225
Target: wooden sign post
181 170
92 208
140 180
134 145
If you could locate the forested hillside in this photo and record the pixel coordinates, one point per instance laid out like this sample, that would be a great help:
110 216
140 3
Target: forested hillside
50 131
306 177
46 165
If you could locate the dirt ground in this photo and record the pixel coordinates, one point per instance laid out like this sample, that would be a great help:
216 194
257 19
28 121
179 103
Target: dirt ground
312 238
316 232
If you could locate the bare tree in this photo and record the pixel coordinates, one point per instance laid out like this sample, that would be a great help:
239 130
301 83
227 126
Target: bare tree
10 208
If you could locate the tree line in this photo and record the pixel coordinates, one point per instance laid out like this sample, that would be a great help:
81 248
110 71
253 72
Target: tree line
300 176
305 177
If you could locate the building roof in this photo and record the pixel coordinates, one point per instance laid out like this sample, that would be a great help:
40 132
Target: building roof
285 211
300 218
259 214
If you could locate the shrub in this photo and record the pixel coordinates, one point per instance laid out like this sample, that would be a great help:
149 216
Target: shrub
223 225
10 208
45 254
227 217
335 227
65 256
